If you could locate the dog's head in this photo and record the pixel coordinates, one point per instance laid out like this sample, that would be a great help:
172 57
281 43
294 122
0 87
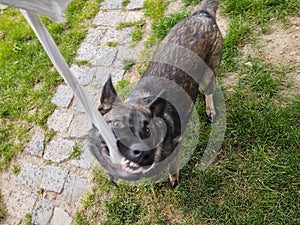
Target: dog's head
140 130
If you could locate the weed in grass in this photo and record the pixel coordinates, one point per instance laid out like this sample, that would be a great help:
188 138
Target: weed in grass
49 135
123 88
137 34
125 3
76 151
154 9
127 63
138 23
112 43
28 219
16 169
2 209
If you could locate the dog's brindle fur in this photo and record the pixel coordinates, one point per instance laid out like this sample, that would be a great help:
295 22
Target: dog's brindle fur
200 34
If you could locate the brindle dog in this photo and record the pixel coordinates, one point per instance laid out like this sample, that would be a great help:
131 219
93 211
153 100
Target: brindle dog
149 124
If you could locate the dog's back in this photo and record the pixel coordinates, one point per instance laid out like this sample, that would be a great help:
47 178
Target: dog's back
197 34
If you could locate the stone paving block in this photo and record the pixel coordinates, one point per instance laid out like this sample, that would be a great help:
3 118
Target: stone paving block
43 212
58 150
125 54
97 55
84 74
63 96
111 4
103 74
113 18
20 203
74 187
122 36
105 56
95 35
54 178
80 126
60 121
30 175
60 216
86 51
36 144
92 95
135 4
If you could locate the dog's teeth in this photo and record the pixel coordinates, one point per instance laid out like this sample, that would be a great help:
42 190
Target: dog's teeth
133 164
127 169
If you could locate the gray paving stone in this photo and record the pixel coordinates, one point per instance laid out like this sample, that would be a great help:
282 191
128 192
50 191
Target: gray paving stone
125 54
20 203
92 95
36 144
60 121
95 35
122 37
80 126
86 51
54 178
84 74
105 56
30 175
111 4
135 4
97 55
43 212
103 74
58 150
60 216
63 96
113 18
74 187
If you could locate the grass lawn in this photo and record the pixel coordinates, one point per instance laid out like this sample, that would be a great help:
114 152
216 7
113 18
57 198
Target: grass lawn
255 178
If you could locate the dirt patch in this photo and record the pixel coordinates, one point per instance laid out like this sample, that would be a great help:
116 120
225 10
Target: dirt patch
281 45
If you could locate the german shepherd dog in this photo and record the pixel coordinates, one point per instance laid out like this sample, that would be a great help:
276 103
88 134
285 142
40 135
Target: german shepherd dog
149 124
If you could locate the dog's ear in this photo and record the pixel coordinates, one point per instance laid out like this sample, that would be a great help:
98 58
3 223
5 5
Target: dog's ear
158 105
108 97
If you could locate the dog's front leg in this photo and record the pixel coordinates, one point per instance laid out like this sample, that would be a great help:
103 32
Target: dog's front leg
112 180
211 111
174 170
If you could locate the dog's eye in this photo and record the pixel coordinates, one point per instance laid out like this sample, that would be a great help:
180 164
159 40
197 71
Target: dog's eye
117 124
146 128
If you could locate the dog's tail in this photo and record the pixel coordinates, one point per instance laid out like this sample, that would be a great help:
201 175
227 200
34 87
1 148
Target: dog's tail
209 6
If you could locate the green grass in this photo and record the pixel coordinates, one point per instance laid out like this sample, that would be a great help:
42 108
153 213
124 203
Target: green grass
162 26
76 152
2 209
255 178
27 77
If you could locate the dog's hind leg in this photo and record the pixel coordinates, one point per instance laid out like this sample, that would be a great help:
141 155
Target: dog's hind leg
174 170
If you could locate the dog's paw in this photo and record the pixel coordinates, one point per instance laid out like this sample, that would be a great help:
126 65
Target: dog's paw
212 116
174 180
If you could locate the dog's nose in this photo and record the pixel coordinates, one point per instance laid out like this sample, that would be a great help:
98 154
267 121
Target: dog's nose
138 153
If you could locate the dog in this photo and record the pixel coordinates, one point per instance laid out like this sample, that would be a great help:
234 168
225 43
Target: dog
149 124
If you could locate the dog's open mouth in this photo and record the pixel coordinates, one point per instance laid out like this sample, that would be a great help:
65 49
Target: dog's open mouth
125 164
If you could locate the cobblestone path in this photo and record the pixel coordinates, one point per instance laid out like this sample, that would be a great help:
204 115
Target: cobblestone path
50 184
